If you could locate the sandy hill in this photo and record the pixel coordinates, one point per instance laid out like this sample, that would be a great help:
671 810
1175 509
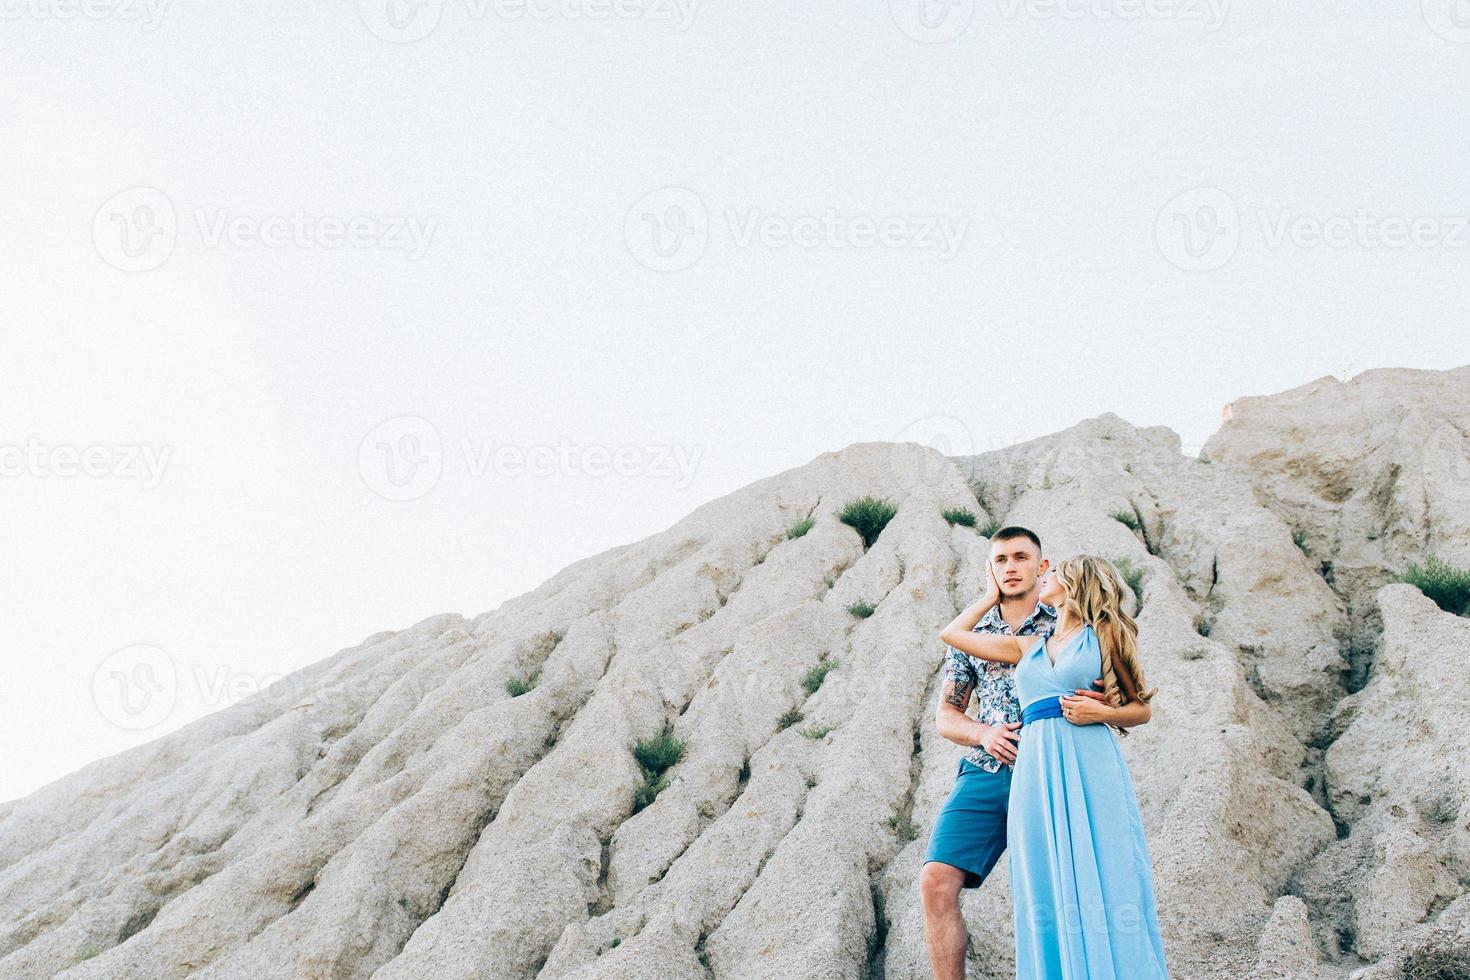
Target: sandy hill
394 812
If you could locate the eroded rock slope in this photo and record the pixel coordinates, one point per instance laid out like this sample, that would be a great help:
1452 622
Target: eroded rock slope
395 812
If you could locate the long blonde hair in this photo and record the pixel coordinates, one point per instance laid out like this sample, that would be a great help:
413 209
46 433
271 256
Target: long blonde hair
1094 597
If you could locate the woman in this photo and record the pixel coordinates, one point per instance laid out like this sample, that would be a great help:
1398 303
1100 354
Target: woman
1081 878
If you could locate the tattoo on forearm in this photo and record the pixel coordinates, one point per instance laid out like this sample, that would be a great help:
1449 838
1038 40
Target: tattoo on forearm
956 694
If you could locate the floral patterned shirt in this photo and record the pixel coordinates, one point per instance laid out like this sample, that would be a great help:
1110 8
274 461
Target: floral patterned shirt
994 683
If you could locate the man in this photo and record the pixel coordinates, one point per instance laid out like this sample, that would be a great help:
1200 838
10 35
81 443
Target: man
970 832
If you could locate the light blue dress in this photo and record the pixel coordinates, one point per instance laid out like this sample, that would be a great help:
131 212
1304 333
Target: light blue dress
1080 871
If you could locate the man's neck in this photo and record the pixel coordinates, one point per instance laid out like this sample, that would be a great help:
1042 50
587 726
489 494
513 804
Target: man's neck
1016 610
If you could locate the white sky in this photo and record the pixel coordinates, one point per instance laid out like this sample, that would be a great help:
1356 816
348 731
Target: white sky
1049 146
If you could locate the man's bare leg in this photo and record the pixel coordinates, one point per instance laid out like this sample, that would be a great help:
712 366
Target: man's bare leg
944 925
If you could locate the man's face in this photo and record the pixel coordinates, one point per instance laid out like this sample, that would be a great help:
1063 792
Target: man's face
1017 563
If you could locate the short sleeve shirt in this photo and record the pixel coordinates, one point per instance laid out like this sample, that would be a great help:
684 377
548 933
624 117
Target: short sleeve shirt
994 683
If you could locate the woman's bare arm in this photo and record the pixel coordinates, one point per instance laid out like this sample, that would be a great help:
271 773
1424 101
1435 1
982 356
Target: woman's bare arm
960 631
986 646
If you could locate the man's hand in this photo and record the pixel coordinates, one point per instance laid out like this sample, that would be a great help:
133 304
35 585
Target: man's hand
1000 741
1084 707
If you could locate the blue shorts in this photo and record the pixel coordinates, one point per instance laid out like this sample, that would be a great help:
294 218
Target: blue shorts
970 831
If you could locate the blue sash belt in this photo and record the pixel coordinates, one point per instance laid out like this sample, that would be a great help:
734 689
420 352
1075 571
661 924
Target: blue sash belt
1043 708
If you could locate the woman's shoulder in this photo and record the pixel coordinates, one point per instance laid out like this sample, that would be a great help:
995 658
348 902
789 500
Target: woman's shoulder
1086 636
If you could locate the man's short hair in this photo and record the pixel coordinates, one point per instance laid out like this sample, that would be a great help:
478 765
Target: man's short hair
1007 533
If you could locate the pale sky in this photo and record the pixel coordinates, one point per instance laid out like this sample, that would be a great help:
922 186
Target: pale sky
319 319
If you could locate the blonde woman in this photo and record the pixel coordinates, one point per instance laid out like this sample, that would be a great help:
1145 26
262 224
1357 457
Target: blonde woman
1081 878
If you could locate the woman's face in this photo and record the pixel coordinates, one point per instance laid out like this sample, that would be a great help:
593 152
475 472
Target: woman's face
1051 589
